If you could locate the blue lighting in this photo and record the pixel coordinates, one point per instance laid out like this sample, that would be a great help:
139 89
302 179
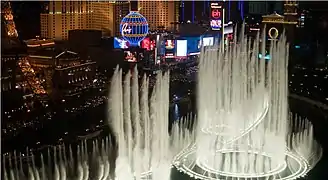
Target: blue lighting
229 10
267 57
297 47
134 28
241 9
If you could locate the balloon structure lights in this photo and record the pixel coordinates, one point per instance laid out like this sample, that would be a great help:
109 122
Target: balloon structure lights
134 28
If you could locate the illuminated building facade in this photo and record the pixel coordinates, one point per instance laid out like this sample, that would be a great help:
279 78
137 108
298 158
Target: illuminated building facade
10 76
12 52
290 11
159 14
72 75
265 7
64 74
275 24
121 9
61 16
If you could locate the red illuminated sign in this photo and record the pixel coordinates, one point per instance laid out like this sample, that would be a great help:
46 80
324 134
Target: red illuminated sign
216 10
146 44
216 13
152 44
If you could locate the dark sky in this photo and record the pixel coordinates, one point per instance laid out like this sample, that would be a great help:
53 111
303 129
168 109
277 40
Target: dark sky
27 15
27 18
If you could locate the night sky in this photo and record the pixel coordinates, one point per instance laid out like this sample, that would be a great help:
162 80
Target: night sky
27 16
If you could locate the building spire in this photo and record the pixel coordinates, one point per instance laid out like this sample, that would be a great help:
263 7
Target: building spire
8 18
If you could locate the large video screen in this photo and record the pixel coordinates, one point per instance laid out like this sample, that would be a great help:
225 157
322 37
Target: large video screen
130 56
169 44
193 44
120 43
181 48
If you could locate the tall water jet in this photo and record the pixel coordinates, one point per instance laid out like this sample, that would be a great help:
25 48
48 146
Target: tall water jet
140 126
242 116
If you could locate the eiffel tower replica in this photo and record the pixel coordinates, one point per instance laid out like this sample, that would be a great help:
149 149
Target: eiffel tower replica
9 36
12 47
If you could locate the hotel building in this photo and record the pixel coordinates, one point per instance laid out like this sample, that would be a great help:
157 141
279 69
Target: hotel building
59 17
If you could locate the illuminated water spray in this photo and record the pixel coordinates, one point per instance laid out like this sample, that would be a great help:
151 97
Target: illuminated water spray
243 128
140 122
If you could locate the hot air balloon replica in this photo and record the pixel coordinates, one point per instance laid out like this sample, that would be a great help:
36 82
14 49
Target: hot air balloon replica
134 28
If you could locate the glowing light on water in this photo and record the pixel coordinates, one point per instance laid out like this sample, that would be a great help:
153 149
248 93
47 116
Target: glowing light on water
242 126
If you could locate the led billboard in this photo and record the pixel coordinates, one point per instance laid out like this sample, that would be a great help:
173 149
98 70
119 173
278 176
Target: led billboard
145 43
120 43
216 24
169 44
193 44
208 41
130 56
181 48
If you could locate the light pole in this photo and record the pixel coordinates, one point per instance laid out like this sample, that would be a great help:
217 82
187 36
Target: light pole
223 19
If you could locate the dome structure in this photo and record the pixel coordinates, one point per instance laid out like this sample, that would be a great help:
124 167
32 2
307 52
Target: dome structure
134 28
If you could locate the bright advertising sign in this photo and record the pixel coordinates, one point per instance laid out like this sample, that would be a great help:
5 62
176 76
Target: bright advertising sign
169 44
216 16
181 48
208 41
120 43
134 28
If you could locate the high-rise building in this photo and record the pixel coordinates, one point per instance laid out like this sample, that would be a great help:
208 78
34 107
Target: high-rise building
256 7
290 10
264 7
159 14
121 9
61 16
